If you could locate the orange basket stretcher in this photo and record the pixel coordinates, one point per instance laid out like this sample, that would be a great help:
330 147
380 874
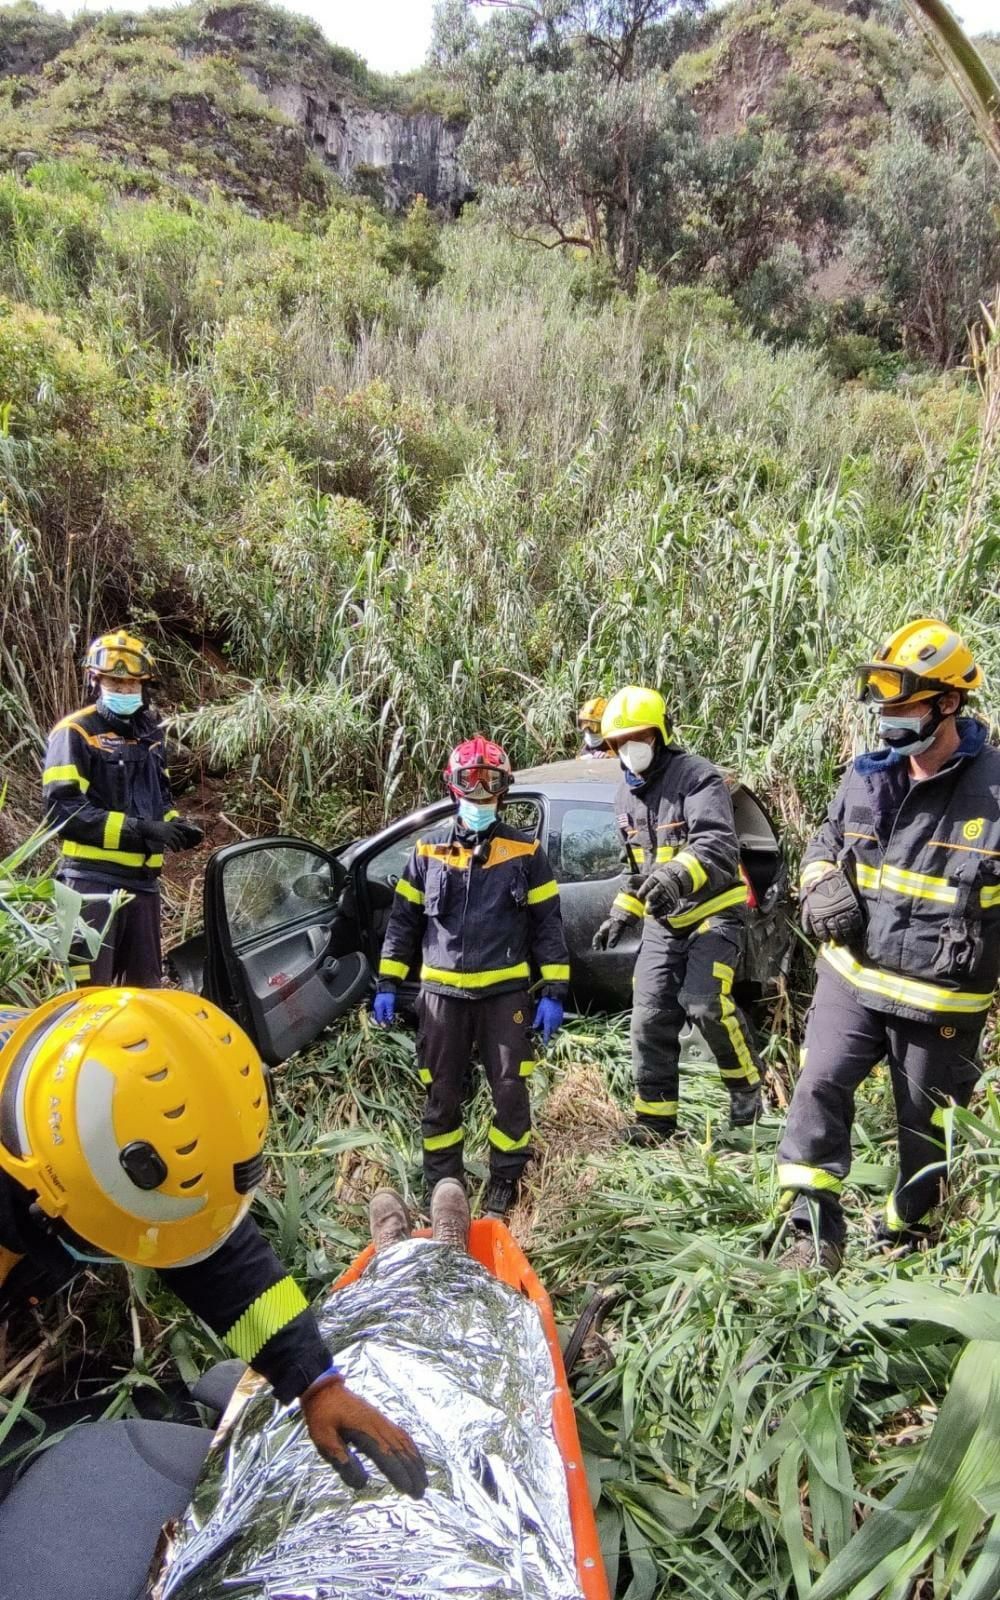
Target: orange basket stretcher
494 1248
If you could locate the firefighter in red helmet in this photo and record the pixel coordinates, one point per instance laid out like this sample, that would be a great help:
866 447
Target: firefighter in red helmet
479 905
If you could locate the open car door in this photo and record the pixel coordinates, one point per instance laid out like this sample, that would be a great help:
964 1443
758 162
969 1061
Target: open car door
282 941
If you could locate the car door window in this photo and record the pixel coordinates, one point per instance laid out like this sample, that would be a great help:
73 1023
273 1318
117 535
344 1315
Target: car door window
268 887
387 866
590 846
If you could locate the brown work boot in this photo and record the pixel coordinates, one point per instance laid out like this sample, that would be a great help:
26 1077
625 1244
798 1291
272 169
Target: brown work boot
388 1219
804 1256
450 1214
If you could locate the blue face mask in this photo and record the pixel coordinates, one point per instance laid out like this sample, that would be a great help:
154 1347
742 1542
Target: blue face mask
121 705
475 817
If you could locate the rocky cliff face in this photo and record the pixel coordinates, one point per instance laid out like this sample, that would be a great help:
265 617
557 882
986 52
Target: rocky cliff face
408 155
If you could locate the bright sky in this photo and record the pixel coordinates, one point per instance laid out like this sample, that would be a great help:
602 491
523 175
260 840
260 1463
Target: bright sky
393 35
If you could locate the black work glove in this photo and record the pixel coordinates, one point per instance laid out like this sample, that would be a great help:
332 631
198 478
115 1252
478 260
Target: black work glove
617 923
193 835
662 892
337 1419
830 909
162 835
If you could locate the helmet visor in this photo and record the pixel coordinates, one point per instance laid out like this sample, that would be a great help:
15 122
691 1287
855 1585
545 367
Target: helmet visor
589 724
114 661
479 782
889 685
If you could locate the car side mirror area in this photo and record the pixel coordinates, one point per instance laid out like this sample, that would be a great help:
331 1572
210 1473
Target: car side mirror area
315 888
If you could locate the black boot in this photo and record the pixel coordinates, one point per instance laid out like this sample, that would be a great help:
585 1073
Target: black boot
745 1107
500 1196
646 1135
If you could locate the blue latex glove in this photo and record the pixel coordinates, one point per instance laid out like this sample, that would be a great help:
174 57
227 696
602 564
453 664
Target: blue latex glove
384 1009
548 1017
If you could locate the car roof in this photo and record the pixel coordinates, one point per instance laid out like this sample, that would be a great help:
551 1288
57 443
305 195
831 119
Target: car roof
571 780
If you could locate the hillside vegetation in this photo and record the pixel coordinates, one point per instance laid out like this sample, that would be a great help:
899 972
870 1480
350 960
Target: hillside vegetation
369 483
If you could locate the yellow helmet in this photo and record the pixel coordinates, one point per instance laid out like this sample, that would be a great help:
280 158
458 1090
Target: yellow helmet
633 710
588 718
137 1117
923 659
120 655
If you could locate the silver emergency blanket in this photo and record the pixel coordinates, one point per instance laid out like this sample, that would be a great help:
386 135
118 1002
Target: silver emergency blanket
457 1358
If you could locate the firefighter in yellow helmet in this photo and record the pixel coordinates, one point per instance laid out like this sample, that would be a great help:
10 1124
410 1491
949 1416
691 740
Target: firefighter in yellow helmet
132 1127
900 888
676 820
106 789
588 721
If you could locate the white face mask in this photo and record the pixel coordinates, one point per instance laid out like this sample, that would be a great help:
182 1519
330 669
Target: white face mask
636 755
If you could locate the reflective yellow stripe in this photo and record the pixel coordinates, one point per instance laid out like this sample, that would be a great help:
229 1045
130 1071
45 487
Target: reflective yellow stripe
424 1075
168 816
502 1141
629 903
908 991
813 871
555 972
545 891
708 908
268 1314
68 774
638 851
392 969
731 1022
666 852
121 858
113 829
408 892
793 1176
897 1224
444 1141
480 980
655 1108
916 885
989 897
937 1117
691 864
526 1069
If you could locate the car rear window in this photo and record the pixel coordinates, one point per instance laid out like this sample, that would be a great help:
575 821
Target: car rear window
590 845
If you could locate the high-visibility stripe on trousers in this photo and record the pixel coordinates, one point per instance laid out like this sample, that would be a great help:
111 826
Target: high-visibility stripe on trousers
453 1029
690 976
930 1065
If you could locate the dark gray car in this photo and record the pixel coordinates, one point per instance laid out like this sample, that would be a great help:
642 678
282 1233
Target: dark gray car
293 929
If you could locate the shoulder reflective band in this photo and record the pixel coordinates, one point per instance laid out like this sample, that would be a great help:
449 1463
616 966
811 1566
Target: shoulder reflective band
392 969
555 972
264 1317
906 991
708 908
813 871
475 980
409 892
791 1175
545 891
694 868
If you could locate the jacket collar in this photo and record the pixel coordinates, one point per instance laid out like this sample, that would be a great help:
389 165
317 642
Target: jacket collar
878 763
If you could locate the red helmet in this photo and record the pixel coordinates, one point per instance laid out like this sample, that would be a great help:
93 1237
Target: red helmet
478 769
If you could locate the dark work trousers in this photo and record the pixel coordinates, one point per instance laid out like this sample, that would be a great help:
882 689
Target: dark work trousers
497 1029
131 952
690 976
930 1064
